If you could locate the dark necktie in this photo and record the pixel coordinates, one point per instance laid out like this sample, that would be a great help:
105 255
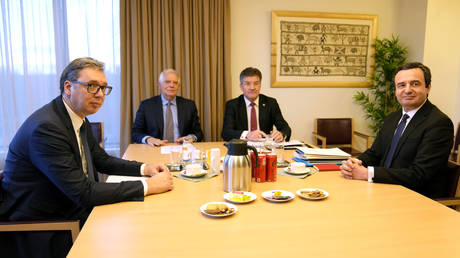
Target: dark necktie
86 153
169 124
253 117
395 140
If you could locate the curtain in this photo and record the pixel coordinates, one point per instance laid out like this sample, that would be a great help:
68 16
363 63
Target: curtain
190 36
37 40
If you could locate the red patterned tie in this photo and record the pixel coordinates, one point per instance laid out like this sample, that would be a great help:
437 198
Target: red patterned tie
253 117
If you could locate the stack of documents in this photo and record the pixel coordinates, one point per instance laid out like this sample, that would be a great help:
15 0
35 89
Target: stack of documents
293 144
320 156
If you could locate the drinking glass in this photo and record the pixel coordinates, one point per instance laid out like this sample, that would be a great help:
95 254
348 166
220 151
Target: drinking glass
269 143
279 150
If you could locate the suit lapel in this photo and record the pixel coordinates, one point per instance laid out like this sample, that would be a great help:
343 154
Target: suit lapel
65 118
244 112
411 128
158 105
262 112
180 115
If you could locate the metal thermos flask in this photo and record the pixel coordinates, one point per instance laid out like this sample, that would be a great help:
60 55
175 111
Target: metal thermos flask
237 166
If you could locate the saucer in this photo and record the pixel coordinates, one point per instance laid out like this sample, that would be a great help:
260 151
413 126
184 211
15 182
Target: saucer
233 208
288 170
269 196
203 172
252 197
305 193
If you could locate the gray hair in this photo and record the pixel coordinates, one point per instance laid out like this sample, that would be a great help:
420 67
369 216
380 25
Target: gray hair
72 70
167 71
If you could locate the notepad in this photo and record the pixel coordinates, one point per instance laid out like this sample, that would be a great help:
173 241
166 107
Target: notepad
327 167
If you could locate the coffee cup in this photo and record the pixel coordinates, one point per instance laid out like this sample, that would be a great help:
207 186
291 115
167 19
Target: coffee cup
297 167
193 169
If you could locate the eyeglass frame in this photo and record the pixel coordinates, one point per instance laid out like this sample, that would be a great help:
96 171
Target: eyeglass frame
99 87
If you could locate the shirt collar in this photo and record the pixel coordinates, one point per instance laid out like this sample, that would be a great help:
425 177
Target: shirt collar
164 101
248 102
76 120
413 111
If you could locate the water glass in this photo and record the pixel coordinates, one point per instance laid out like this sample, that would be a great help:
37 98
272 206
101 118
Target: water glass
279 150
269 142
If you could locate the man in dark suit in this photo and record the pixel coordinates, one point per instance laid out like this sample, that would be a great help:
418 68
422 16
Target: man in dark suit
151 124
240 119
50 169
413 145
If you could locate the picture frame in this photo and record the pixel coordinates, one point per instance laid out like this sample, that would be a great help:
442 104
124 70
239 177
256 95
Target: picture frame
318 49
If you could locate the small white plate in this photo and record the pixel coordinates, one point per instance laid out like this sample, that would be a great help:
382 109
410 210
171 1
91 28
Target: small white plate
288 170
268 195
203 172
227 196
299 193
229 205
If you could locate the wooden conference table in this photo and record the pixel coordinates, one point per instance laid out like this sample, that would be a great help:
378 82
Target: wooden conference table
358 219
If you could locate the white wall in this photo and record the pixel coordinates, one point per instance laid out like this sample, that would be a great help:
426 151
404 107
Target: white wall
410 26
442 55
250 44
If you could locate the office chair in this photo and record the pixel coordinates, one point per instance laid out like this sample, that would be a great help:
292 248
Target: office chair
14 226
97 128
453 194
338 132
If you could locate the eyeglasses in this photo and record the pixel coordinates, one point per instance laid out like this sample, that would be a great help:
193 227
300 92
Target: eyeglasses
94 88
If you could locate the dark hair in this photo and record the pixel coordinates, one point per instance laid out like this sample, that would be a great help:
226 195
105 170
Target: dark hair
250 71
72 70
414 65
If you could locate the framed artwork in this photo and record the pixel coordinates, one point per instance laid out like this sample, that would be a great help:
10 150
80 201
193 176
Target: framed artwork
313 49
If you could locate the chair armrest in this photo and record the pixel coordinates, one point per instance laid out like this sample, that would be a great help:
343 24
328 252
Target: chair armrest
449 201
458 153
311 145
12 226
319 137
365 137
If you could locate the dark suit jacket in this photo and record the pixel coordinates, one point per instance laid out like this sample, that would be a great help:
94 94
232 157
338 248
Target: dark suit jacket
149 119
420 159
236 118
43 174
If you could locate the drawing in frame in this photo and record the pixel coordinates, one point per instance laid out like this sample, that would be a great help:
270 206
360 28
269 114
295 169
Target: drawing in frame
317 49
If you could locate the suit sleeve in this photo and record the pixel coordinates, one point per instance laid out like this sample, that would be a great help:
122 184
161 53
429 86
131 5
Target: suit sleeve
139 130
373 155
420 158
51 152
280 123
196 127
229 128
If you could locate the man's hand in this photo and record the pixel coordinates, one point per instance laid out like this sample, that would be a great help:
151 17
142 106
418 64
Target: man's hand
354 169
256 135
155 142
154 169
277 135
188 138
159 183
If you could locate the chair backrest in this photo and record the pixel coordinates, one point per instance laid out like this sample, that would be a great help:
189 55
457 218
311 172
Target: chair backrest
457 137
97 129
453 187
336 130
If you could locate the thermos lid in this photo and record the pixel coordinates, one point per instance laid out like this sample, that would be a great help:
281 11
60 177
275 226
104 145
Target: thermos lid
237 147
